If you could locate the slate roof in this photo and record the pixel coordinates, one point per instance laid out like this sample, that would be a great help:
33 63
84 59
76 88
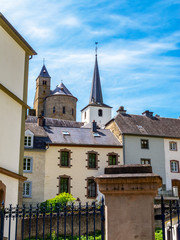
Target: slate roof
148 126
55 122
96 92
96 105
81 136
44 72
53 134
62 90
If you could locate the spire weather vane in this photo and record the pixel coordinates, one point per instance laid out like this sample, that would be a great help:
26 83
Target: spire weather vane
96 43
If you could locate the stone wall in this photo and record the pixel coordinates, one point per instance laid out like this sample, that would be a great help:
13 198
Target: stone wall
60 101
61 225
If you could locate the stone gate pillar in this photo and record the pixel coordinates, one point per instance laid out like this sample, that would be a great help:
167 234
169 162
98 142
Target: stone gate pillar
129 192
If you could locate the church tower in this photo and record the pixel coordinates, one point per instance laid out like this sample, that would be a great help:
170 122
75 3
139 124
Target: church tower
96 109
43 84
58 103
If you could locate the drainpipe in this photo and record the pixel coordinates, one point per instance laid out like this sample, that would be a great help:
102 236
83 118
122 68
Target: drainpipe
123 148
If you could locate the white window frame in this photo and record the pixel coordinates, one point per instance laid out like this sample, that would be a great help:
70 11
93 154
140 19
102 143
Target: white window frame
146 159
174 165
31 164
28 135
30 189
173 146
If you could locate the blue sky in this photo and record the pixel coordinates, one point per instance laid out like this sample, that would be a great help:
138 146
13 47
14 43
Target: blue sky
138 52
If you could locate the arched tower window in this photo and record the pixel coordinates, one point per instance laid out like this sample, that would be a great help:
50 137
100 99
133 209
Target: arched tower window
44 82
64 110
100 112
72 111
54 109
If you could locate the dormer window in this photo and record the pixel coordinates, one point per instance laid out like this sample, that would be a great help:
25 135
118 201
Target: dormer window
100 112
28 139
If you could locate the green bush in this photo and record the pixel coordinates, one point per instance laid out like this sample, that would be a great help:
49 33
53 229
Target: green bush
60 200
158 234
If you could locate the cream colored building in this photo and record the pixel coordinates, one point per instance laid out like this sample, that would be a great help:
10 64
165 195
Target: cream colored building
65 156
14 59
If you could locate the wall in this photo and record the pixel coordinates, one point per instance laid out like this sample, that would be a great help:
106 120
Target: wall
115 130
61 225
37 176
78 171
10 198
134 153
171 155
92 114
12 62
10 125
60 101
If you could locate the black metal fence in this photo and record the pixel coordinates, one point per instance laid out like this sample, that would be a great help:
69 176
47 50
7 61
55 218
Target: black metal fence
170 219
67 221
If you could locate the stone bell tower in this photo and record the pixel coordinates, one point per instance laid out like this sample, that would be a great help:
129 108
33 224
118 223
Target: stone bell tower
43 83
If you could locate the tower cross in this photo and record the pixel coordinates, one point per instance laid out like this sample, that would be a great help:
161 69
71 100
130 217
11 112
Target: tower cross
96 43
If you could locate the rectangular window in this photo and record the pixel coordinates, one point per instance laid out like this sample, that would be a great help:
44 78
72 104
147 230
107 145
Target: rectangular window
64 185
64 158
92 160
27 187
27 164
91 188
28 141
173 146
145 161
174 166
64 110
112 160
144 144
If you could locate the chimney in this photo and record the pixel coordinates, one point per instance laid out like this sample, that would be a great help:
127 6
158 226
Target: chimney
32 112
94 126
41 121
147 113
121 110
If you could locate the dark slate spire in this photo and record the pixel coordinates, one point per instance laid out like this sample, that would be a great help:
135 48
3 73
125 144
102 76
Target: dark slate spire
96 92
44 72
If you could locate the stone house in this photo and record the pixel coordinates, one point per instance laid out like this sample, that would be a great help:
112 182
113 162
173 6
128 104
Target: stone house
65 156
149 139
15 53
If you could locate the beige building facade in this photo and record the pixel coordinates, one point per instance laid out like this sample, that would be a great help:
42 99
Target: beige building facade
69 161
14 61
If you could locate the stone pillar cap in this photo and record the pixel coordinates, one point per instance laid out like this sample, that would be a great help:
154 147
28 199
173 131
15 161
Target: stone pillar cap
128 169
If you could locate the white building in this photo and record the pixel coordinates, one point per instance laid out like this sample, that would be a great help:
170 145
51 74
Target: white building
149 139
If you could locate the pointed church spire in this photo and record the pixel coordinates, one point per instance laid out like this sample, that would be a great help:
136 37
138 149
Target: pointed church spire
96 92
44 72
